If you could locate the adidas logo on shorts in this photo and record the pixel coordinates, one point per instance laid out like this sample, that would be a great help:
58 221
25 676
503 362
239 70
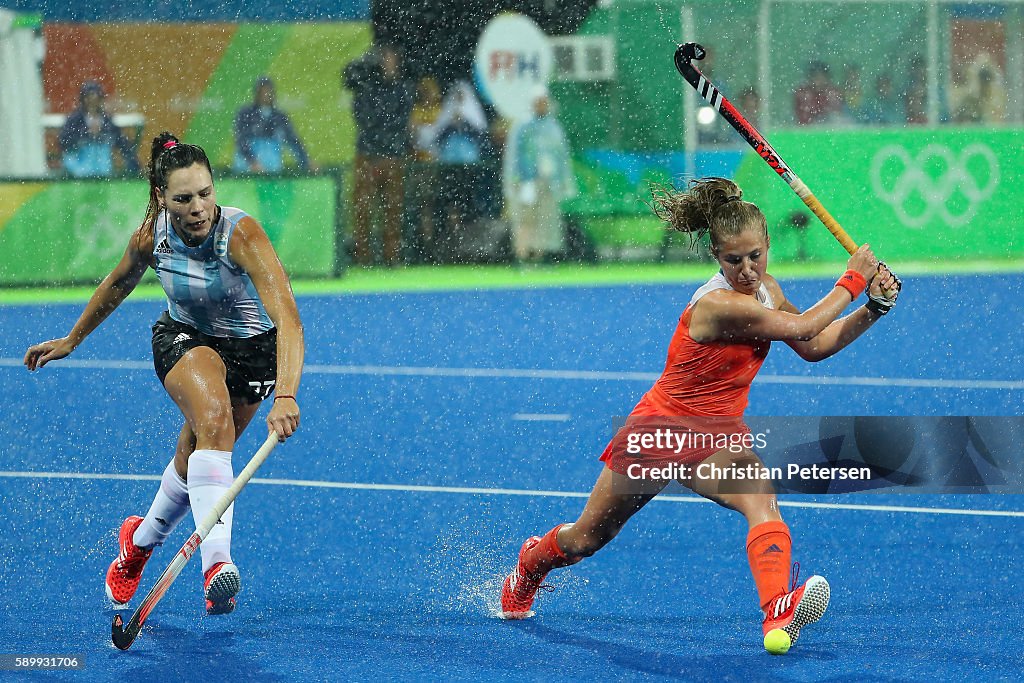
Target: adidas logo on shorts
182 337
163 248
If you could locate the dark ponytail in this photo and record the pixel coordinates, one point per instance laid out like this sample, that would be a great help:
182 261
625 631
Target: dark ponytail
167 155
709 206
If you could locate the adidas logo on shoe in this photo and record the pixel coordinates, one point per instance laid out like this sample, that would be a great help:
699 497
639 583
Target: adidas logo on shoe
773 548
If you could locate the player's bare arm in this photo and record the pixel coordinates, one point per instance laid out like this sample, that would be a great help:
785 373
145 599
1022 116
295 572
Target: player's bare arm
251 249
114 289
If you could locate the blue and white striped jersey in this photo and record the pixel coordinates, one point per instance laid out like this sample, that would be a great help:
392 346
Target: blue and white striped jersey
204 288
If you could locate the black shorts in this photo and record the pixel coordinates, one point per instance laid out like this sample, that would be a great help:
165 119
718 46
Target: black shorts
251 362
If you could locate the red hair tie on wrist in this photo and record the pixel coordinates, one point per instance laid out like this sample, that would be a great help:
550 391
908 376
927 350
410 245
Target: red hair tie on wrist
170 143
853 282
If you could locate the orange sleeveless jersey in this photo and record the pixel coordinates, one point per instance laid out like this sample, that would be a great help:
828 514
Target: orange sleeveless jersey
699 381
706 379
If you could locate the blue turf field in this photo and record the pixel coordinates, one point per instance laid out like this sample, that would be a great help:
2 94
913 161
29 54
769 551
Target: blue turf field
448 390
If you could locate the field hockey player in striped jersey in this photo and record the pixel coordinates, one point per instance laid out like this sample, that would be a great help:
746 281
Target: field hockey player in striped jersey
230 337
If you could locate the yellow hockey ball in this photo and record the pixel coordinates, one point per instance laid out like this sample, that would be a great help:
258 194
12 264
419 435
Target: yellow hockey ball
777 641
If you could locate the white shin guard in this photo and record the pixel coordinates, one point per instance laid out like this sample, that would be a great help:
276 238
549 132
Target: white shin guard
209 476
169 507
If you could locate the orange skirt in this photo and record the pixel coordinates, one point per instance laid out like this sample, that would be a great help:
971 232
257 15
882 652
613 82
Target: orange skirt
651 439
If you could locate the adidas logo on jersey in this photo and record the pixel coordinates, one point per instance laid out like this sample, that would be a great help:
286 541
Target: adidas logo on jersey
182 337
163 248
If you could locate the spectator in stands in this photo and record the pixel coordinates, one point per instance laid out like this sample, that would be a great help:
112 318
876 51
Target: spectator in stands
422 185
985 101
916 99
959 89
462 125
262 131
462 140
991 96
853 96
89 136
491 194
538 176
884 107
818 100
382 103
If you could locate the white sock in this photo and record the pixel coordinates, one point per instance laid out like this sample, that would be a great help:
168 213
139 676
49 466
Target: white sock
169 507
209 476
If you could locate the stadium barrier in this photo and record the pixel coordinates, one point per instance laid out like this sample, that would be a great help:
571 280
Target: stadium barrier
60 232
913 193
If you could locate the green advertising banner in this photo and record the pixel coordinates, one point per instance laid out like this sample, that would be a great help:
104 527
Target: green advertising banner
912 194
76 231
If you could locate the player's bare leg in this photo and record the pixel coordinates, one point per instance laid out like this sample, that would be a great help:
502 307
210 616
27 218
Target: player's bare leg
613 501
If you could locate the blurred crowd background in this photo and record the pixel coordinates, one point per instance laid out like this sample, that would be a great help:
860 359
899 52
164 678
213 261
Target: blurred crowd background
365 133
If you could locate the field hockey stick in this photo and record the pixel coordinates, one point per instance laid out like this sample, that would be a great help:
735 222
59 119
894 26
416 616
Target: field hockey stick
124 636
688 52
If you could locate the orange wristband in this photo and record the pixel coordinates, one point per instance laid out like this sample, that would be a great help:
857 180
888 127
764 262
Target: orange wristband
853 282
284 396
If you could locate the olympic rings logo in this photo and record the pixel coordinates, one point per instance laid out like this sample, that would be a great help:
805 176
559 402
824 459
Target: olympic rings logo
936 182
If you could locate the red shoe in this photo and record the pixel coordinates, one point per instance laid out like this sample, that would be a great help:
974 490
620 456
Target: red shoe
125 572
791 611
221 584
520 587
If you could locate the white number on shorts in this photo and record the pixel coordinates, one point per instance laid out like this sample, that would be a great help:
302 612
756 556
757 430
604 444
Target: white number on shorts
263 388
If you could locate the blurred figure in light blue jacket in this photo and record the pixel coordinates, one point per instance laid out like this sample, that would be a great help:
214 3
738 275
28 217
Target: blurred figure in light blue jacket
537 178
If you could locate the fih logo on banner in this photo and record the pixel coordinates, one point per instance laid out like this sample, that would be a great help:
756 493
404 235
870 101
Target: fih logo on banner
937 179
513 57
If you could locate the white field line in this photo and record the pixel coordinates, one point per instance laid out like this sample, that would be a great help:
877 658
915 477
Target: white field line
466 490
541 417
582 375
